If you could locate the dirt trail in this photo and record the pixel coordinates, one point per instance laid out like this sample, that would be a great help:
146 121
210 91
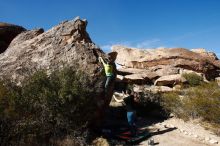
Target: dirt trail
169 132
175 132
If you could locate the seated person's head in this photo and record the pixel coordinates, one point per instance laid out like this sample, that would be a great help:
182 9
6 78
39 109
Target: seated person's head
128 91
137 96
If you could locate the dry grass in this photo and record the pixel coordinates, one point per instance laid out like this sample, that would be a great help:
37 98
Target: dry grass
202 101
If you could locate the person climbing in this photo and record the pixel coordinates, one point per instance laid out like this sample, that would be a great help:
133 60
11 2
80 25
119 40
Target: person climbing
130 99
110 69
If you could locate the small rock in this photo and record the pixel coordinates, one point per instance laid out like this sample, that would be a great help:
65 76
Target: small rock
201 139
172 115
165 126
207 139
151 142
100 141
196 136
186 133
159 123
172 126
212 141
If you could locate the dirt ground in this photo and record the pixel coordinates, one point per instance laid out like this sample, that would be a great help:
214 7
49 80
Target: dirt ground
176 132
171 131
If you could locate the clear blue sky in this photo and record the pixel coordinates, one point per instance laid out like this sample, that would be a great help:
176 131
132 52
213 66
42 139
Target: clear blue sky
137 23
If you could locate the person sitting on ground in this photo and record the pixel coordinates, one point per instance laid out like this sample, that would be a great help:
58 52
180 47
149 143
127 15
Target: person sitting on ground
110 71
129 99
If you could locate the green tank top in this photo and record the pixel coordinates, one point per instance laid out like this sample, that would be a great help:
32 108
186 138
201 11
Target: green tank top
108 70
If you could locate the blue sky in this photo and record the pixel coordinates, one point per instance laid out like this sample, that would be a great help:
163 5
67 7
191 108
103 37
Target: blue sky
135 23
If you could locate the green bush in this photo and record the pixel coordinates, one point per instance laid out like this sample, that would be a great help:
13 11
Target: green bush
197 102
45 107
171 102
193 79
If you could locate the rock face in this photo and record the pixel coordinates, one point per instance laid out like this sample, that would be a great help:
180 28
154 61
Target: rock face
7 33
67 44
166 64
170 80
218 80
206 54
137 76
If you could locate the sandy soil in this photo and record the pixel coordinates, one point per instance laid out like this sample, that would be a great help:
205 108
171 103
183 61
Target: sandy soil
176 132
172 131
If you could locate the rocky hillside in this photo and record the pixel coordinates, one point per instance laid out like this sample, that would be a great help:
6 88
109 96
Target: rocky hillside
164 67
65 45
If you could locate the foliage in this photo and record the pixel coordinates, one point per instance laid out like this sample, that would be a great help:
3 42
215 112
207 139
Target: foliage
197 102
45 107
149 105
193 79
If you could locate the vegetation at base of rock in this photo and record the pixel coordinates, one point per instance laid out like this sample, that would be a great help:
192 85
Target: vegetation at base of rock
202 101
45 108
193 79
149 105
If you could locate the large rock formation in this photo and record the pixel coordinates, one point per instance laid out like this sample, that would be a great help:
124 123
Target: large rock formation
167 64
65 45
137 76
7 33
206 54
170 80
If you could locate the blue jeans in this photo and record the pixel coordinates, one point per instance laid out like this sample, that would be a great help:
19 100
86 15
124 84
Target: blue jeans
131 116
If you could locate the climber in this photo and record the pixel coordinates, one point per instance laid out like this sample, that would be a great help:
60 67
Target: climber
110 69
130 99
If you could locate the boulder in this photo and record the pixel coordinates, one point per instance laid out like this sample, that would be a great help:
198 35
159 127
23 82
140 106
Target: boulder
7 33
218 80
152 89
206 54
112 56
65 45
25 36
186 71
177 57
137 76
160 89
170 80
164 70
136 79
177 87
119 78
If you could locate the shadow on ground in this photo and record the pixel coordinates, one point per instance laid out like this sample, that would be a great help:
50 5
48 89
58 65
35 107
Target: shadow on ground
115 122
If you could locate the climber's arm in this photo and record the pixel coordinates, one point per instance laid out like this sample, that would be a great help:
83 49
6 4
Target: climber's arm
101 60
117 100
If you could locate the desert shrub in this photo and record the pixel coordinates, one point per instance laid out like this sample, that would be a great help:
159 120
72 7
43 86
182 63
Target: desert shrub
204 101
172 103
197 102
46 107
149 105
193 79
